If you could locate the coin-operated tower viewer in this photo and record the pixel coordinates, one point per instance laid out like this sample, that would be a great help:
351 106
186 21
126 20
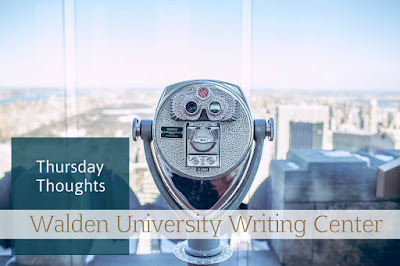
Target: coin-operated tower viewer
203 150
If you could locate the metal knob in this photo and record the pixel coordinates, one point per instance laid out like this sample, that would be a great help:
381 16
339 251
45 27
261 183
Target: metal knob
136 129
210 160
270 131
195 160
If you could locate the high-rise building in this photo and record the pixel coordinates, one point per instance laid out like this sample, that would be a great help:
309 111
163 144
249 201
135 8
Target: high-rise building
373 118
368 117
301 126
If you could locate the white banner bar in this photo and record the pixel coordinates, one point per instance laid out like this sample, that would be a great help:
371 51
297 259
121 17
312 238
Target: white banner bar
124 224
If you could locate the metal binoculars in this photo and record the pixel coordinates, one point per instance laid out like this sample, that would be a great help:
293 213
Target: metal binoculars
203 150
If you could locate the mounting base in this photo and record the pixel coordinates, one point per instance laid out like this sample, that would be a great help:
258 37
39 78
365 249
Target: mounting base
181 252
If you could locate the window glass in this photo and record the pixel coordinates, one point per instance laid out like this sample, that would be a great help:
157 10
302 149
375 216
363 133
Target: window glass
31 73
334 62
128 51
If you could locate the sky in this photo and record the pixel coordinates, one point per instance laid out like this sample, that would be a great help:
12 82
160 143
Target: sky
321 44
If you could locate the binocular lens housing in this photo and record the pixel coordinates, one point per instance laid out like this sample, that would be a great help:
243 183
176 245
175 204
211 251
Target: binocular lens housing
203 129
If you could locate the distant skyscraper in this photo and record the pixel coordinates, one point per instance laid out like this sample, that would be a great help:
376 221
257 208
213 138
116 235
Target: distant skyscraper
365 116
373 121
368 117
301 126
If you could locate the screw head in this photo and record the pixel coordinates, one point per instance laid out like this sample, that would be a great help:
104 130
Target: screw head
135 129
270 131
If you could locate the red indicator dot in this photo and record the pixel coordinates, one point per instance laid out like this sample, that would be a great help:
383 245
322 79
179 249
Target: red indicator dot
203 92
